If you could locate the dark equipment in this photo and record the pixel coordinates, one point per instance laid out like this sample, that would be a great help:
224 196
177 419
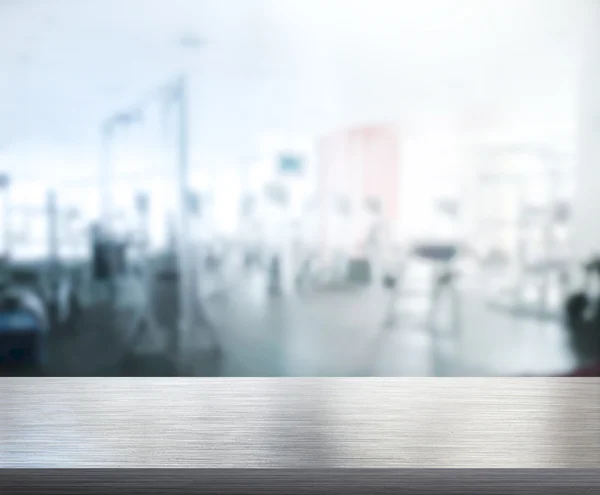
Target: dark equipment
390 282
582 315
579 304
23 331
109 259
444 276
360 271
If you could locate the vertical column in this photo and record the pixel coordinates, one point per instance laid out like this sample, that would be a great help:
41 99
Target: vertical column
585 240
287 258
185 275
4 191
105 176
52 212
147 277
194 332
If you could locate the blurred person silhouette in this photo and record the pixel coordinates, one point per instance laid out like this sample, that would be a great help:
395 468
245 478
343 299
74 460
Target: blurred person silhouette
582 319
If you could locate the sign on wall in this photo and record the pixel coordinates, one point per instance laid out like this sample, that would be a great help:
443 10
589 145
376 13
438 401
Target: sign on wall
290 164
363 165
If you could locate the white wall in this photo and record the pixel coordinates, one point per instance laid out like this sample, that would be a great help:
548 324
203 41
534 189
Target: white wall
586 221
433 165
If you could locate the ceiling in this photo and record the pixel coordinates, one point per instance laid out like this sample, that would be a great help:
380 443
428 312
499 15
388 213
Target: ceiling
301 66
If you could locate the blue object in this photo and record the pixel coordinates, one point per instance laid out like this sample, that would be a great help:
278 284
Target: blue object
23 349
22 340
290 164
18 321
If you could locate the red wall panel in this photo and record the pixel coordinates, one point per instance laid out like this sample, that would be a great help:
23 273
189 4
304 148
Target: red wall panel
359 163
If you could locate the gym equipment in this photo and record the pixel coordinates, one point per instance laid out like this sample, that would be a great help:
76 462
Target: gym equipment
108 259
55 287
24 327
171 96
579 307
360 271
582 314
444 276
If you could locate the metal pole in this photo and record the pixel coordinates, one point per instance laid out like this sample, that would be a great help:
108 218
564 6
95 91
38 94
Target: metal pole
52 211
550 237
147 274
522 251
105 176
106 213
4 189
185 275
6 219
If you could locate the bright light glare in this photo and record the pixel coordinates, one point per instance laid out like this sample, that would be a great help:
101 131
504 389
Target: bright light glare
228 192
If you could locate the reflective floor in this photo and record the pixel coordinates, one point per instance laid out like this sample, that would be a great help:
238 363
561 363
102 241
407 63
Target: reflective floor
343 332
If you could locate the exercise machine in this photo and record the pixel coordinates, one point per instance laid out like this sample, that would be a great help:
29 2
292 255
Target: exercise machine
442 257
24 329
